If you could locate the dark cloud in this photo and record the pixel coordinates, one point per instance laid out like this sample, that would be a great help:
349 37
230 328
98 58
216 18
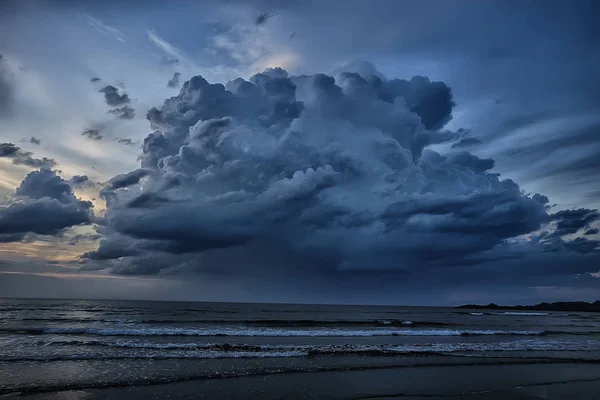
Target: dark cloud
95 79
44 216
128 179
35 141
43 162
112 248
468 160
8 150
583 245
124 112
466 142
540 198
432 101
44 205
45 183
83 182
126 141
335 171
571 221
79 180
93 134
20 157
112 96
13 237
174 81
148 200
263 18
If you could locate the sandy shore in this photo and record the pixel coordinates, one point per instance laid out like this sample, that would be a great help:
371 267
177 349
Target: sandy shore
510 381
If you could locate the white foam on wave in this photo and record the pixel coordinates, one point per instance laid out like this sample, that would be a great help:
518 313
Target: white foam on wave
273 332
475 313
152 350
521 313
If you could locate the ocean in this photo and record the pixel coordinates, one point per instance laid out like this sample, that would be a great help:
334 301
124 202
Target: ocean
51 345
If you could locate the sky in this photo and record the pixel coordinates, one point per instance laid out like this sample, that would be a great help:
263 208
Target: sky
385 152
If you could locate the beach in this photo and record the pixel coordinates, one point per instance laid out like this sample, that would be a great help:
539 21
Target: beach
426 378
154 350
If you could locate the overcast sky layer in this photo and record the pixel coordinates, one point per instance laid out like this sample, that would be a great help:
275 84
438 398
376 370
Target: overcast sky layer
405 152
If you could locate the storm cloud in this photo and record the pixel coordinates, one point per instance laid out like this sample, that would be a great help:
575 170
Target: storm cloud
128 179
45 205
571 221
334 170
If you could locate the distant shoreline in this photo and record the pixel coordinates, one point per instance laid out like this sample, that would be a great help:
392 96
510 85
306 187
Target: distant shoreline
558 306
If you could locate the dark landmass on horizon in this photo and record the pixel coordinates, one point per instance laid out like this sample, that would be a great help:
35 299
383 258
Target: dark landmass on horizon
557 306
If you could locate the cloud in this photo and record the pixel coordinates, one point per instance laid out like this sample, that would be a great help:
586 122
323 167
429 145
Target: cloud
20 157
102 27
43 162
126 141
79 181
8 150
466 142
35 141
174 81
432 101
112 96
83 182
263 18
12 237
583 245
44 205
540 198
336 171
92 134
95 79
593 231
571 221
128 179
175 55
124 112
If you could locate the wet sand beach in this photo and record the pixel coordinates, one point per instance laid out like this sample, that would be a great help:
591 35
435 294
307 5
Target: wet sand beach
480 379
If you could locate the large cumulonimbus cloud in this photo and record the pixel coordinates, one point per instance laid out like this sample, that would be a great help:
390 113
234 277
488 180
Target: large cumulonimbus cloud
45 205
334 170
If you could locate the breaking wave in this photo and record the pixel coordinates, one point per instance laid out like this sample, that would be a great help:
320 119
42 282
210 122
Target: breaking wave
521 313
269 332
150 350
